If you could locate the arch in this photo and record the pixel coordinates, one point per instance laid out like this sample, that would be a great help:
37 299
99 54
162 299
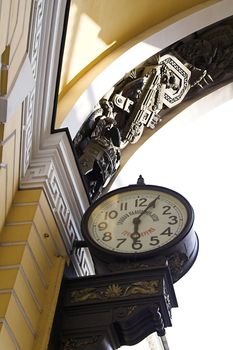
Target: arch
74 117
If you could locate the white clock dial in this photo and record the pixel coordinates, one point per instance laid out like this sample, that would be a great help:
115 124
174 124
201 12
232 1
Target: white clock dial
137 221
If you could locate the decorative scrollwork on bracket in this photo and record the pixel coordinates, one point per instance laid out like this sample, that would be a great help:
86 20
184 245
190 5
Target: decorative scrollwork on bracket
123 312
115 290
74 343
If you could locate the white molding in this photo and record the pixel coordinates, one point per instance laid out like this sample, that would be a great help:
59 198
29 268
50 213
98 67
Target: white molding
139 53
56 172
28 106
23 85
47 159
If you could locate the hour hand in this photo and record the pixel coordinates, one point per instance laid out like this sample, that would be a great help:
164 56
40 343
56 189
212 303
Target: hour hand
136 222
135 234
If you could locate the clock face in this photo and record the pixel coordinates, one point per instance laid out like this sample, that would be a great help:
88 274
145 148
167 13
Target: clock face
138 220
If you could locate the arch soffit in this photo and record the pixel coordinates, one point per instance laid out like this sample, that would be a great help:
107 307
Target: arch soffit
74 117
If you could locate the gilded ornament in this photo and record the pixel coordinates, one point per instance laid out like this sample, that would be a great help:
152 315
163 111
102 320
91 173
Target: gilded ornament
75 342
115 291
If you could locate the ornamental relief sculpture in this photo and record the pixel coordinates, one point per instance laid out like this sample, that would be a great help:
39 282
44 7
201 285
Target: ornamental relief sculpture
115 290
73 343
144 95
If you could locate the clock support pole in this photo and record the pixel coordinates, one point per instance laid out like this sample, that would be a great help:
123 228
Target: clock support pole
105 312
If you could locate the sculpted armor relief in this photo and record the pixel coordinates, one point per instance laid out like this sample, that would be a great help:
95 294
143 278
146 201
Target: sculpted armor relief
139 100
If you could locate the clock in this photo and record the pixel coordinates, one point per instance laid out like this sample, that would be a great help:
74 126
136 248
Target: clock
138 221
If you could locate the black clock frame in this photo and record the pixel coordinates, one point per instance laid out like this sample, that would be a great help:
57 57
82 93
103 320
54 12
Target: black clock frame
109 255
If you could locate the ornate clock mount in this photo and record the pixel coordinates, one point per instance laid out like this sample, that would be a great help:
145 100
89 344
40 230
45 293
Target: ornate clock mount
142 240
105 312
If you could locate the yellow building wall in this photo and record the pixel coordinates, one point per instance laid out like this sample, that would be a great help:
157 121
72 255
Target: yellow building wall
97 27
14 23
32 260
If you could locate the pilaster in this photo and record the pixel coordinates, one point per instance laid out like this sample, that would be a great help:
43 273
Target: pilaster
32 260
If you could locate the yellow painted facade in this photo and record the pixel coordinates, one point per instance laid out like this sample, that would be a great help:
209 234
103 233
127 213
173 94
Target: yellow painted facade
32 259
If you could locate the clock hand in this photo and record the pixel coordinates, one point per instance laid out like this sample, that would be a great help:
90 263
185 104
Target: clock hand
135 235
136 221
152 203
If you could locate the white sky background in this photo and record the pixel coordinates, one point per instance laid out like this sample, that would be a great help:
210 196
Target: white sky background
192 154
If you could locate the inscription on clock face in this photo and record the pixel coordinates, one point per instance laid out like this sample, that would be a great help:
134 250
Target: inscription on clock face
137 221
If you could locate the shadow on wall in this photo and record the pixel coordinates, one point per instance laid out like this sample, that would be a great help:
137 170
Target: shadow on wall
121 20
98 27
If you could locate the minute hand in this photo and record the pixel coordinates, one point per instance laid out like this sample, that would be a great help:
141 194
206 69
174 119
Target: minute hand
151 204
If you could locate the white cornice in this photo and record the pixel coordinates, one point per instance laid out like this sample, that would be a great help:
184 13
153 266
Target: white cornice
47 159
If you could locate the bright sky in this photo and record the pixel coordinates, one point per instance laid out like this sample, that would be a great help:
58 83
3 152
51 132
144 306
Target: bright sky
192 154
